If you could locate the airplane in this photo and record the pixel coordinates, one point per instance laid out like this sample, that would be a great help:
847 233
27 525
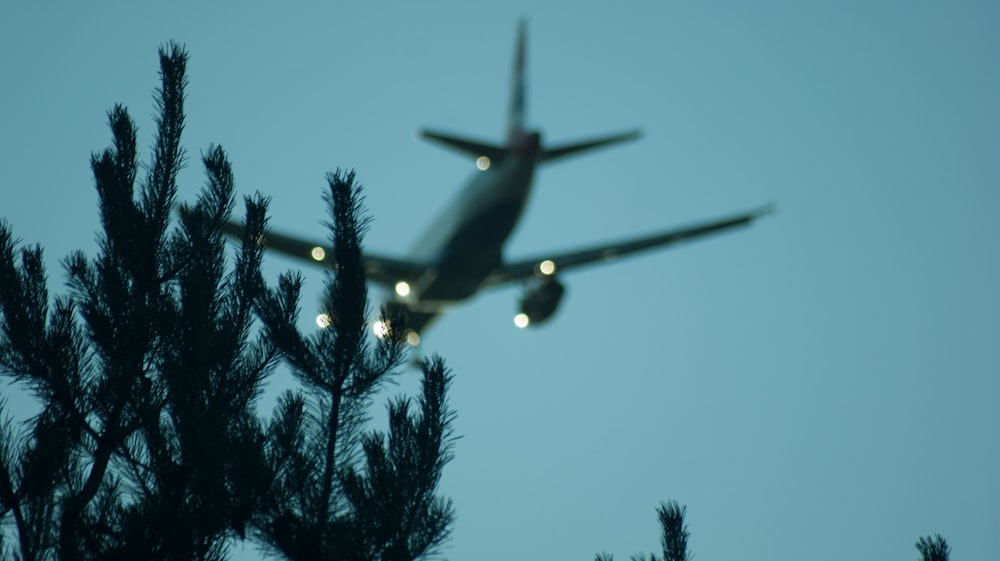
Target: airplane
461 254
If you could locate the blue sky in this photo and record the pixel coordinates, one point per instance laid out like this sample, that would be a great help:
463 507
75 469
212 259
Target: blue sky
826 383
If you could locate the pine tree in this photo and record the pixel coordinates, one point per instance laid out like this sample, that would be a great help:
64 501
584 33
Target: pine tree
933 548
340 492
147 443
674 539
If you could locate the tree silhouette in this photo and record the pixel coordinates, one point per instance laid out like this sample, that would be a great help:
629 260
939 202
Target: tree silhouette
675 533
340 492
933 548
674 539
148 444
146 372
673 536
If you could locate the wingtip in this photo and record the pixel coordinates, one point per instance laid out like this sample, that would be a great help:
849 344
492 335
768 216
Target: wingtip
767 210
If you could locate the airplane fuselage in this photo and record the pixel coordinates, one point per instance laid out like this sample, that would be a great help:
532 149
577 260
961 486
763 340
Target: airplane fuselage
465 243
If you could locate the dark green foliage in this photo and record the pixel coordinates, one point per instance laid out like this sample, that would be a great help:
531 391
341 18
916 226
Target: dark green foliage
933 548
675 533
673 537
339 492
145 444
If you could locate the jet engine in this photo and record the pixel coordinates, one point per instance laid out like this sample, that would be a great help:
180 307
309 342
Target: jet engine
541 299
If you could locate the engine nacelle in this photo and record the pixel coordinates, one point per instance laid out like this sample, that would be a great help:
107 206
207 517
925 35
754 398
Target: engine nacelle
540 301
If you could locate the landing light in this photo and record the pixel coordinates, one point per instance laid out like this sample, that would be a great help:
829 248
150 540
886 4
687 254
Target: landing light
483 163
547 267
403 288
521 321
413 338
318 253
323 321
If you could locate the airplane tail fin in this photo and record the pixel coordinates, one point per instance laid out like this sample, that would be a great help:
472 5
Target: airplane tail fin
515 124
515 112
561 151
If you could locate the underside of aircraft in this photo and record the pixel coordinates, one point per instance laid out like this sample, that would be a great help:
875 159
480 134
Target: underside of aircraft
461 253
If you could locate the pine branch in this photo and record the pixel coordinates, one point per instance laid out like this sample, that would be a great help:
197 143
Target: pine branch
933 548
675 533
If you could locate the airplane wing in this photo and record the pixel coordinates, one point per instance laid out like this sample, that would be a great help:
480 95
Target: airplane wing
527 268
385 271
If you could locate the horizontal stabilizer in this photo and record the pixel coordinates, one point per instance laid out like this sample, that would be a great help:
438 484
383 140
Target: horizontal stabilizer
557 152
473 148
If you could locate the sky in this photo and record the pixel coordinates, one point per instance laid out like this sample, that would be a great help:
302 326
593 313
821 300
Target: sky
823 384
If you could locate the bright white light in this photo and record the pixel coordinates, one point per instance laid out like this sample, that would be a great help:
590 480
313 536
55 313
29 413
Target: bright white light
521 321
403 288
547 267
323 321
380 329
318 253
483 163
413 338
